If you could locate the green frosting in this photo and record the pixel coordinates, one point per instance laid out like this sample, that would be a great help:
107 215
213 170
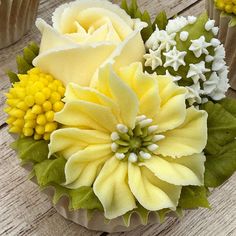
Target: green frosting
221 146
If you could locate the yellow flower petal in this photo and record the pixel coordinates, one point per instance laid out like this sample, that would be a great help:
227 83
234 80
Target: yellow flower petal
173 109
120 93
50 37
74 64
145 86
182 171
82 167
151 192
187 139
111 187
87 115
76 92
68 141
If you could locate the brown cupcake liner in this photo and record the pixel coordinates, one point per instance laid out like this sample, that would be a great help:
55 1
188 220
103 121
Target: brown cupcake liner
16 19
227 35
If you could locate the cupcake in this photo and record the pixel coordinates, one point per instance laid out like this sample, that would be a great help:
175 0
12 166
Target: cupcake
16 19
123 121
224 13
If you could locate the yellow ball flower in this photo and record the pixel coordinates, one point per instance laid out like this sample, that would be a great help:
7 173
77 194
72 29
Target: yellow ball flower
228 6
32 103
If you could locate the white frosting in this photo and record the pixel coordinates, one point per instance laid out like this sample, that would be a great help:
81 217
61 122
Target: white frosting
193 95
153 59
199 46
192 19
215 30
176 24
173 77
209 25
174 58
184 35
197 71
160 38
209 58
215 42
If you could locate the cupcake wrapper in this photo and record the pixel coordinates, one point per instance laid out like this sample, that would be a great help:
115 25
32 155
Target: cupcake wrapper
227 36
16 19
94 220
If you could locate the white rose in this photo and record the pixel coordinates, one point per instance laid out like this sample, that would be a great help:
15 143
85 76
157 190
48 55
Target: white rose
87 34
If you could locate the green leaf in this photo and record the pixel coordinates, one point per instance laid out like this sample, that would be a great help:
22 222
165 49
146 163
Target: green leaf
193 197
162 214
85 198
30 150
221 146
13 77
146 32
50 171
161 21
22 65
28 55
34 48
124 6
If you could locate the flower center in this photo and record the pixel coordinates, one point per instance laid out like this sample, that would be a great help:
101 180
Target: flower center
138 144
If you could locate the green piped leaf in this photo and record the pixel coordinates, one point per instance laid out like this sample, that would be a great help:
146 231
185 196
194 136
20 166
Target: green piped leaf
50 171
13 77
29 55
29 150
221 146
193 197
160 21
22 65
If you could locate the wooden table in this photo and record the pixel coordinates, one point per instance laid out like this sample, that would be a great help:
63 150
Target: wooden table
24 210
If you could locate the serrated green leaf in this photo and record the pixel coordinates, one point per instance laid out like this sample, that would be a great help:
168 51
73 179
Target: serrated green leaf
161 21
50 171
34 47
133 8
28 55
30 150
22 65
13 77
85 198
193 197
146 32
221 146
124 6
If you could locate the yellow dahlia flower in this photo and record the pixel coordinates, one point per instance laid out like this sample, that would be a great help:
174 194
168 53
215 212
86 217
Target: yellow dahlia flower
132 139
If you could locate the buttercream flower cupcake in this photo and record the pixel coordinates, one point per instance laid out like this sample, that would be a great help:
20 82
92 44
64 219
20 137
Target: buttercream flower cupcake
123 125
224 13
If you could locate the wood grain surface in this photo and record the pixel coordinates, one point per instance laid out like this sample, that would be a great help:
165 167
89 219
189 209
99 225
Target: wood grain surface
24 210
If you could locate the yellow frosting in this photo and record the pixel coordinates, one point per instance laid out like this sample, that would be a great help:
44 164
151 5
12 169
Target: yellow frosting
228 6
85 35
131 138
32 103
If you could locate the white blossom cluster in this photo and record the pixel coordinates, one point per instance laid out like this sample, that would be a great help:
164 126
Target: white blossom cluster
162 44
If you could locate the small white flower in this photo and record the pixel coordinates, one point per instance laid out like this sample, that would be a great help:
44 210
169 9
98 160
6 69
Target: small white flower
133 157
215 30
194 94
197 71
175 78
211 83
166 40
199 46
192 19
184 35
153 59
175 58
215 42
209 25
219 52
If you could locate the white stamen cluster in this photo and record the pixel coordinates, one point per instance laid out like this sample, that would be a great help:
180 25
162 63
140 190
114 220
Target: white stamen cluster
209 75
136 144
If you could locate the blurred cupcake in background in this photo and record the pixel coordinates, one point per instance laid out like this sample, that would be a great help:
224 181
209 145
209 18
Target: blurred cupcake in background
16 19
224 13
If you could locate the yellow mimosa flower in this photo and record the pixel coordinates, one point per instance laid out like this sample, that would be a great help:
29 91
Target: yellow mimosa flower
132 139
